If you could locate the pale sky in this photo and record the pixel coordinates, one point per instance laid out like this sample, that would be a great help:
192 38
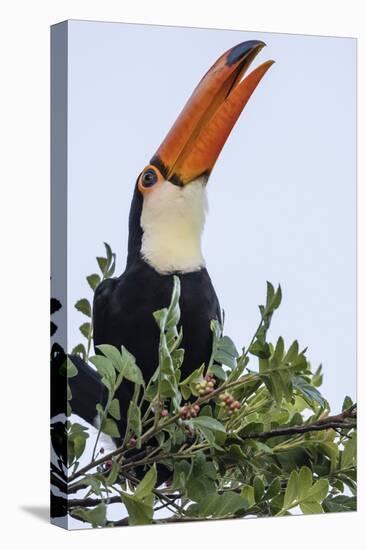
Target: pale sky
282 195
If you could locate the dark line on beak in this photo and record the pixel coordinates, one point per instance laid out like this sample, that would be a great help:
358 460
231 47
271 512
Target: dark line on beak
158 163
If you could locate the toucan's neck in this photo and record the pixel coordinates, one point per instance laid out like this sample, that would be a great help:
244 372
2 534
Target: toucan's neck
166 227
134 228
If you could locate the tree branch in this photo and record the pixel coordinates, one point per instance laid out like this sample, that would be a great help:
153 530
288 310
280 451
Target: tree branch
91 502
337 421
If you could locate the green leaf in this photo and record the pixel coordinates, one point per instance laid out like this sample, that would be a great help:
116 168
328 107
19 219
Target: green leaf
130 369
279 351
113 474
258 486
292 352
270 295
277 298
77 428
260 349
113 354
109 252
247 493
305 481
94 482
347 403
134 419
208 422
291 490
226 344
273 490
274 384
93 280
348 455
111 261
147 484
71 369
102 263
311 507
114 409
225 359
219 372
318 491
210 436
85 329
79 350
194 377
273 298
140 504
83 306
220 506
200 486
105 368
340 503
112 268
79 444
96 516
188 385
226 352
140 512
110 427
307 391
317 378
173 313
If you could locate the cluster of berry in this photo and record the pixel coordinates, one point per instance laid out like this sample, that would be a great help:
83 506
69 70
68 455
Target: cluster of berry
188 411
206 386
231 405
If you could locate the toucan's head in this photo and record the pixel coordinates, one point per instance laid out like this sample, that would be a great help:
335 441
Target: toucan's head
172 185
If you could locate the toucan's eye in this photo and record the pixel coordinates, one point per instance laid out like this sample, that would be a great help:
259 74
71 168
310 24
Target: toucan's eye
149 178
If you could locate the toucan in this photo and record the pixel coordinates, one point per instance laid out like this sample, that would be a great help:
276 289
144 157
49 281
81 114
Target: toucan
166 222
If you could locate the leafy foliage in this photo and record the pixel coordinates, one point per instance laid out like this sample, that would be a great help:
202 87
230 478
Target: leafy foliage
278 452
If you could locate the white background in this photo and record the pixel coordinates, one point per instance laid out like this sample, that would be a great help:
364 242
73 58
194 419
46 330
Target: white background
25 269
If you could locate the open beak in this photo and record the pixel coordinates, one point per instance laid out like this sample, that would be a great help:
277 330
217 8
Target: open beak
194 142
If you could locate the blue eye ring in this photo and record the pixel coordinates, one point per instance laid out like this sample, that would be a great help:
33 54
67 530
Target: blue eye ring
149 178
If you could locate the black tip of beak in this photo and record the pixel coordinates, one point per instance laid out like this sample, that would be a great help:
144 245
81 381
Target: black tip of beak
242 49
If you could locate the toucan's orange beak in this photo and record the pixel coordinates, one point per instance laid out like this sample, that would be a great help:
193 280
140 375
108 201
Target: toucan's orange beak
193 144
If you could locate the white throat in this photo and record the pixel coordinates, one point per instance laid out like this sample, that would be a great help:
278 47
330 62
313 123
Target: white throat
172 221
